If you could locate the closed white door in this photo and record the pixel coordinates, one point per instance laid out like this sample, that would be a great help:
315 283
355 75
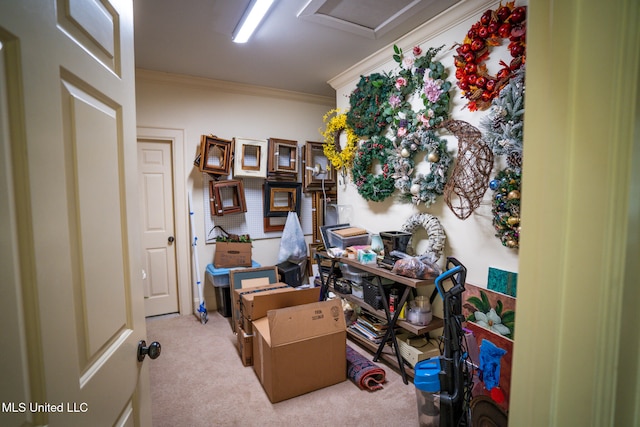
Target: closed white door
72 254
155 189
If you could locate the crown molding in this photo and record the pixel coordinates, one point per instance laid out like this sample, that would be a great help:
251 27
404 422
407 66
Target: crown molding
232 87
439 24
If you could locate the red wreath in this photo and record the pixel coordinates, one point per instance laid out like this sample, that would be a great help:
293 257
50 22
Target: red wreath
477 85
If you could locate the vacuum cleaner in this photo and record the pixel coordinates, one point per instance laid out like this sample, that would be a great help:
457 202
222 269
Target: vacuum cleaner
444 383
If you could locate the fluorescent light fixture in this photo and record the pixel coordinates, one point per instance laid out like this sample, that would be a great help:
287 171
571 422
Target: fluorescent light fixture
251 19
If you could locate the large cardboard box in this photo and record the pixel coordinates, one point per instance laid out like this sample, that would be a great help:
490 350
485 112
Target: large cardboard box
299 349
232 254
252 305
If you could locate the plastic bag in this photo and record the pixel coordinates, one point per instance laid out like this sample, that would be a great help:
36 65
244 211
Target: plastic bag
421 267
292 245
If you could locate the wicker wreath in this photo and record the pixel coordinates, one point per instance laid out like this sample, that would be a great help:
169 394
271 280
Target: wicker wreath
432 226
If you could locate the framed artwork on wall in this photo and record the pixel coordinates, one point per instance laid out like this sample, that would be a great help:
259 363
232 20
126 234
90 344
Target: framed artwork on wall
250 157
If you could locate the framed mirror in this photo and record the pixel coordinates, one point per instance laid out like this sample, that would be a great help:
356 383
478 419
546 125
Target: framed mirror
250 157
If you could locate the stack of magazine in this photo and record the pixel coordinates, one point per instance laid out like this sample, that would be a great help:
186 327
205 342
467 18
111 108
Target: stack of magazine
369 327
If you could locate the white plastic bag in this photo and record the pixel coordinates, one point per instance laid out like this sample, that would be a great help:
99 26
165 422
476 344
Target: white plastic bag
292 245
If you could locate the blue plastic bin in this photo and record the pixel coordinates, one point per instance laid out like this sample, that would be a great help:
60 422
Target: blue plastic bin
219 279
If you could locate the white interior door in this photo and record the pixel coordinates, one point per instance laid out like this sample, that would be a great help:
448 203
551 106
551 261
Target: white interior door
155 189
75 312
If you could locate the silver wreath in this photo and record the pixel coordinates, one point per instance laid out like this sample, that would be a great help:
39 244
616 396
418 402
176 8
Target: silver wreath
431 224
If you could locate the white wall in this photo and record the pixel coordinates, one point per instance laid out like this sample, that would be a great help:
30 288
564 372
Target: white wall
199 106
471 241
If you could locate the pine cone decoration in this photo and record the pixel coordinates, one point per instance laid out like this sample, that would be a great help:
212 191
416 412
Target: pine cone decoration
514 160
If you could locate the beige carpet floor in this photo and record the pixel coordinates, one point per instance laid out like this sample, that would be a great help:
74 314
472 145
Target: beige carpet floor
199 380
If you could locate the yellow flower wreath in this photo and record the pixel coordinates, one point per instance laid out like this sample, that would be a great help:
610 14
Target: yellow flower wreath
340 158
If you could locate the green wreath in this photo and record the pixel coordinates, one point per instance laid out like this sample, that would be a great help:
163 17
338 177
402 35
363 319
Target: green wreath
365 115
421 188
506 207
420 75
373 187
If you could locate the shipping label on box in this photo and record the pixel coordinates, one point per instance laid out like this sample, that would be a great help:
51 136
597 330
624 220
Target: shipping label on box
232 254
300 349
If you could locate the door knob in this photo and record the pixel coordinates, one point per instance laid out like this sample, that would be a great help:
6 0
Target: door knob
171 239
153 350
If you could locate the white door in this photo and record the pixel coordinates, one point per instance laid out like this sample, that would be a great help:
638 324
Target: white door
71 255
155 189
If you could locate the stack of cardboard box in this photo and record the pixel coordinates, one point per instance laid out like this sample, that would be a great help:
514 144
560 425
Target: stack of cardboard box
296 343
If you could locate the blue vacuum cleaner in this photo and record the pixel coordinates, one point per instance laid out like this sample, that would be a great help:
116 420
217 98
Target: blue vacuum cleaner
447 378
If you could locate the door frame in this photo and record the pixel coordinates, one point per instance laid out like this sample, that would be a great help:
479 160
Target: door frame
180 207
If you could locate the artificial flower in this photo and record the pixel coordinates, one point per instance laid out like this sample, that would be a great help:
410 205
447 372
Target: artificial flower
408 61
432 89
400 82
417 51
492 321
394 101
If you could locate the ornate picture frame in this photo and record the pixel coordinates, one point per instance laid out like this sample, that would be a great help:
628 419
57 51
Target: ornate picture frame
215 155
318 205
318 171
280 198
283 158
227 197
250 157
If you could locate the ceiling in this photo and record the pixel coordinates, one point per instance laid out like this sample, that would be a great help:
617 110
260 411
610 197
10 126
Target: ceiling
300 46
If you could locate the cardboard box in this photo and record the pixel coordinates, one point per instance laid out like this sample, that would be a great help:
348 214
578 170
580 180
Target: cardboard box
299 349
245 347
252 305
414 354
231 254
248 278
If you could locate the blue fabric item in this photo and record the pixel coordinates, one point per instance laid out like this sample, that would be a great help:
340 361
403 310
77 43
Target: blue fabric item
490 356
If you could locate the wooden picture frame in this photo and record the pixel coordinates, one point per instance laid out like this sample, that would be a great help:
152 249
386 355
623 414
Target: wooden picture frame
273 223
215 155
280 198
250 157
282 157
220 192
318 205
318 171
